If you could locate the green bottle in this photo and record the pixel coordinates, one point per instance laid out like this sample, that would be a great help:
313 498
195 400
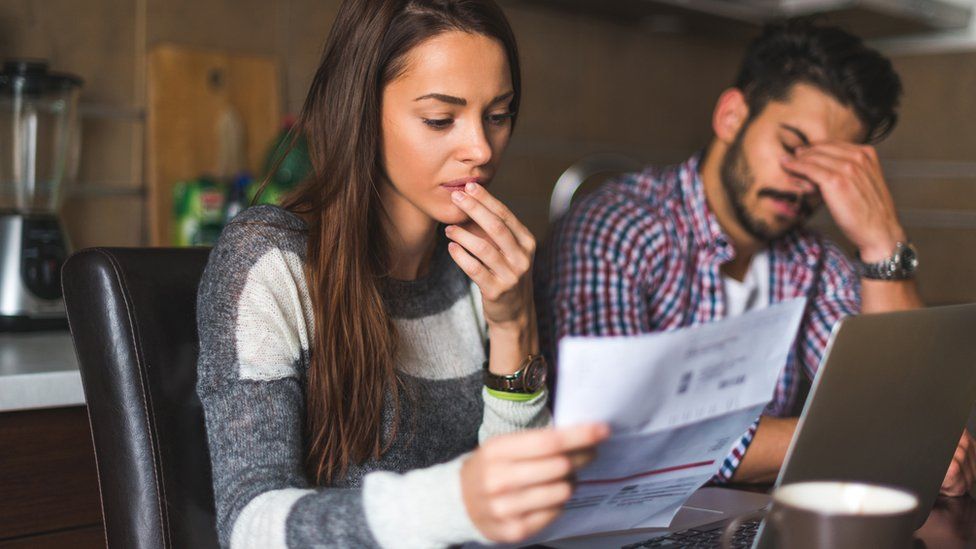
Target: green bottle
294 167
198 212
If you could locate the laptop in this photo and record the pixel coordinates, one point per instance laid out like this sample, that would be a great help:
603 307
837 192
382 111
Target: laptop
887 406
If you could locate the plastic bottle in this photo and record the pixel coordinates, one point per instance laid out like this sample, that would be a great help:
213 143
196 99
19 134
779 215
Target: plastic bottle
293 168
198 212
237 196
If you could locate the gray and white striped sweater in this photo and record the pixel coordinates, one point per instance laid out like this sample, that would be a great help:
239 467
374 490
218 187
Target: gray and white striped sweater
255 323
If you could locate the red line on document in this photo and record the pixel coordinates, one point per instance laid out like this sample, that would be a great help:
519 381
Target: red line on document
647 473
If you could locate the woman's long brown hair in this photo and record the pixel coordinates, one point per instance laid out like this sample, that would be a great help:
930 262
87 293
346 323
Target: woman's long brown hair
351 371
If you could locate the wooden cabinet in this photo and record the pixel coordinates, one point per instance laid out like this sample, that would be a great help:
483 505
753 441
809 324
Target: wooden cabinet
48 482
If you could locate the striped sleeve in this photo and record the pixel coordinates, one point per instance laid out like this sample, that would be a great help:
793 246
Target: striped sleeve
731 462
836 294
603 261
254 323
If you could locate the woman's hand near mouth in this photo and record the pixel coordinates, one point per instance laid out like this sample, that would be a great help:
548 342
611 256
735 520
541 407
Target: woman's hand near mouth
497 251
460 184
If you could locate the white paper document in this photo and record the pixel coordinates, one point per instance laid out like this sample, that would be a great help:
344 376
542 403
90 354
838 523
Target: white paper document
677 402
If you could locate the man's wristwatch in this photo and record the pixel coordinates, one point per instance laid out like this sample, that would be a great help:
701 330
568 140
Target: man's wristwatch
901 265
530 378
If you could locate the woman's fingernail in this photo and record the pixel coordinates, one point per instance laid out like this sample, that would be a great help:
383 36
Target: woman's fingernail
457 196
470 187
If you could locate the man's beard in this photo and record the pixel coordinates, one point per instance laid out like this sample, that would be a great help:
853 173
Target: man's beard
737 180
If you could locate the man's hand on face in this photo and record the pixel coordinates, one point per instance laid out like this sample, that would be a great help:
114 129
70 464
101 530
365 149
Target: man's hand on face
962 471
853 187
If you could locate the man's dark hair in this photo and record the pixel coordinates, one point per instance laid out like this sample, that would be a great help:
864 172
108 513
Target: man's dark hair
802 51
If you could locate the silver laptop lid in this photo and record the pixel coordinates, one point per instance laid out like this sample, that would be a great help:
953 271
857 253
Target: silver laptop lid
889 401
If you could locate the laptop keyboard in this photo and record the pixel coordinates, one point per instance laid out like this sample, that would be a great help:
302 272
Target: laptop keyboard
695 537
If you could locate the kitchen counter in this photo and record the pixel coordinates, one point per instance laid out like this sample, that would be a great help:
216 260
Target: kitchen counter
38 370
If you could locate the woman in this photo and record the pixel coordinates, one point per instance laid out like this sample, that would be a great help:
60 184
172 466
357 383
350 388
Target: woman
343 336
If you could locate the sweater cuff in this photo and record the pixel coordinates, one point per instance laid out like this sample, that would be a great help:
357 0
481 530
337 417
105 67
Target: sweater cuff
514 397
504 416
420 508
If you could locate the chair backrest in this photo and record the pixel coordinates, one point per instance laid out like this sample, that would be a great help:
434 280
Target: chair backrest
132 313
574 177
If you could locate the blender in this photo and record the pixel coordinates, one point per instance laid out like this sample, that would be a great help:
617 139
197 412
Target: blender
38 153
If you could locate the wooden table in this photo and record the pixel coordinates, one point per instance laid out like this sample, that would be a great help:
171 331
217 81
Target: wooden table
951 524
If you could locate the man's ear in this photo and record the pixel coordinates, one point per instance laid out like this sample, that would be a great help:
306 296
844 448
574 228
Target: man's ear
731 112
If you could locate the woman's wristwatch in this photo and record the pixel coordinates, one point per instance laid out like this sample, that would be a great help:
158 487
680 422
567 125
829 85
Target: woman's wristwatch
529 379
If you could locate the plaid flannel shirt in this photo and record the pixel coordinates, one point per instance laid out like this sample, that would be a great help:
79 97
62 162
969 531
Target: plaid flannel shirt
642 254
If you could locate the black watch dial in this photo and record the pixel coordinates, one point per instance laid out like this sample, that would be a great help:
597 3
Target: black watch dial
909 259
534 377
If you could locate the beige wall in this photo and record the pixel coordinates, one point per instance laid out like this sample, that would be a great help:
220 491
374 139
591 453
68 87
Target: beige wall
591 85
930 164
596 85
97 40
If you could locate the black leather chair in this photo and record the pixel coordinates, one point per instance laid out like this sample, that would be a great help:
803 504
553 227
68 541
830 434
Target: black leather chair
132 313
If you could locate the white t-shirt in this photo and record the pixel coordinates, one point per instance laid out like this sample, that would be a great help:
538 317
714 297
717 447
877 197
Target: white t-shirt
752 292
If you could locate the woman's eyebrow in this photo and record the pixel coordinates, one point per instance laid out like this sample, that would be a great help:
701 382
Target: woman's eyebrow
502 97
445 98
460 101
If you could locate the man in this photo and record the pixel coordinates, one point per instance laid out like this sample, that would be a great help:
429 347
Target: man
724 232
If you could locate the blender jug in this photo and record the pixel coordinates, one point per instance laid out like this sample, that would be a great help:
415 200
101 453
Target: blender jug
38 154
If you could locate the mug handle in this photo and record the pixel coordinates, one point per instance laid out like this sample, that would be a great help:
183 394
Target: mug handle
729 532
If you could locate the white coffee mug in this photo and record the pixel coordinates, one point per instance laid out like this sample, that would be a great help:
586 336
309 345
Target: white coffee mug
837 515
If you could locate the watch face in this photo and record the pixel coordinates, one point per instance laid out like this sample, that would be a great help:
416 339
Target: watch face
909 259
535 375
